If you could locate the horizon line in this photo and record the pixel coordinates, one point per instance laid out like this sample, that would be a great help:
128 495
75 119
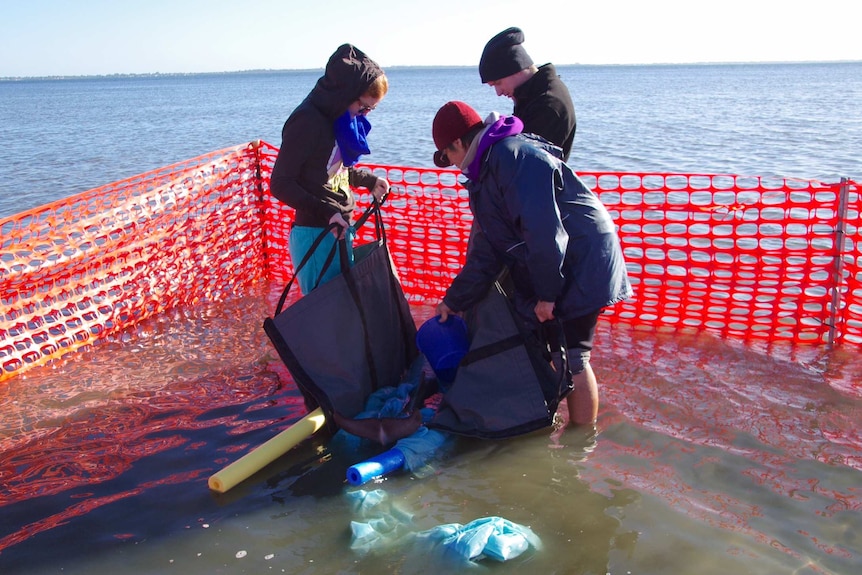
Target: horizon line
407 66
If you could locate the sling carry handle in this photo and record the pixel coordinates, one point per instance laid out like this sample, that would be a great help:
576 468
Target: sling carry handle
374 208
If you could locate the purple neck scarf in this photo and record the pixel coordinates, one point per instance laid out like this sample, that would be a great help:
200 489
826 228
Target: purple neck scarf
504 127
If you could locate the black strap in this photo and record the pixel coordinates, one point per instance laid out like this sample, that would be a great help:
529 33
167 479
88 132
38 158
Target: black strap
492 349
314 245
325 267
374 208
347 272
549 332
350 280
405 320
554 332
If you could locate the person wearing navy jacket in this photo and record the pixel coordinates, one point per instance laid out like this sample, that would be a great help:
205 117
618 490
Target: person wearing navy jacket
533 215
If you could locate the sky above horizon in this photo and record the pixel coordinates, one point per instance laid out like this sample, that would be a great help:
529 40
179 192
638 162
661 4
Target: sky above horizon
99 37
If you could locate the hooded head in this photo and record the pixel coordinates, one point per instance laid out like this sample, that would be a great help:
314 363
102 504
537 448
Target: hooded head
453 121
503 56
348 75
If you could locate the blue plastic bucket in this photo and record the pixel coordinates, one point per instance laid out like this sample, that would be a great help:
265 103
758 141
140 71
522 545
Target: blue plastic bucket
444 345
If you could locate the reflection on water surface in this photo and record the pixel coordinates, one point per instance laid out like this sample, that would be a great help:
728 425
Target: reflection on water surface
709 456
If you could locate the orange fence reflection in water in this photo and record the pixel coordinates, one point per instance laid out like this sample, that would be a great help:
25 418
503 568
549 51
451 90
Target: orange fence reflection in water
75 432
733 434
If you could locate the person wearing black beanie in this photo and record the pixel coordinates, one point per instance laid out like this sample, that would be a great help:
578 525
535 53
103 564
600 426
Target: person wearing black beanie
542 101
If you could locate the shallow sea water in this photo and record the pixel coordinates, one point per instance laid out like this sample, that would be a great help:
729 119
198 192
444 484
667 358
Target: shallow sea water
709 456
62 137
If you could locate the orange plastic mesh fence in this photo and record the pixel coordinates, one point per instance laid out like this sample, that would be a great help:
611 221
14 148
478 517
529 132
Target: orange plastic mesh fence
748 257
82 268
745 257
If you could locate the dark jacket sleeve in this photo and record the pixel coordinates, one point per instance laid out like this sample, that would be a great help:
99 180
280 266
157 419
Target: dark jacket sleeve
300 137
362 178
478 274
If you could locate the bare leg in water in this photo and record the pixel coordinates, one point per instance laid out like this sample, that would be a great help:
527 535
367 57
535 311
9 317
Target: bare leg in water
583 401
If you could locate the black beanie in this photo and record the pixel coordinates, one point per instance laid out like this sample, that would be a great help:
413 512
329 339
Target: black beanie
503 56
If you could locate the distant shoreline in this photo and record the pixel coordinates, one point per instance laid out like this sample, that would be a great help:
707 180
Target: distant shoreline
390 68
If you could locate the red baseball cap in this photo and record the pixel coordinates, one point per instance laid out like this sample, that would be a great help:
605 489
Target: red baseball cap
452 121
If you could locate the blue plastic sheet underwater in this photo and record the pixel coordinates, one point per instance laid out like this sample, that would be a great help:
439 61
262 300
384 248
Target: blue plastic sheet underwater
384 525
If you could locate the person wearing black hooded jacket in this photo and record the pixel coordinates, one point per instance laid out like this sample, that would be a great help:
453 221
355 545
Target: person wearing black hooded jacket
320 142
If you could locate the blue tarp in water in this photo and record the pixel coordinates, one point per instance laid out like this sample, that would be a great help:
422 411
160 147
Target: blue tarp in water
384 525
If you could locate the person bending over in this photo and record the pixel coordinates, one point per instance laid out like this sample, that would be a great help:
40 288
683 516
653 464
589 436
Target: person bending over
533 215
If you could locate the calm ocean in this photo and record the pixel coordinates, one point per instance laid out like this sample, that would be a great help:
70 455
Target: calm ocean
61 137
710 456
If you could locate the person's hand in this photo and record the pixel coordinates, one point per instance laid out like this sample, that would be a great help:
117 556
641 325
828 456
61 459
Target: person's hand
544 310
444 312
380 189
338 232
